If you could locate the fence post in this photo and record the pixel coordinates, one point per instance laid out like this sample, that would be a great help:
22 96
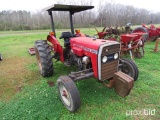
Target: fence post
156 45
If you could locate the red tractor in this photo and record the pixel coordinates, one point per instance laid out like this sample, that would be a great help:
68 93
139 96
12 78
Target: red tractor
96 58
153 32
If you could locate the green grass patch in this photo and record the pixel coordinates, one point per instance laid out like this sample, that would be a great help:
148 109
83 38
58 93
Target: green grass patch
25 94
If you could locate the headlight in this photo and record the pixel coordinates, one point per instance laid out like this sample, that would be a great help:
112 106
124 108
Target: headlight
104 59
115 55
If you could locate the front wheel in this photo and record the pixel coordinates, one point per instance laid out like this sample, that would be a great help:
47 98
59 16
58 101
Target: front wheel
128 67
68 93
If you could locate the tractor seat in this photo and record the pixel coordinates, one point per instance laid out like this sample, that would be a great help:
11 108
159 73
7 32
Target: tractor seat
66 35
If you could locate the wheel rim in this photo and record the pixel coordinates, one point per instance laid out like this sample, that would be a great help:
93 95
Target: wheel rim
126 69
64 94
38 59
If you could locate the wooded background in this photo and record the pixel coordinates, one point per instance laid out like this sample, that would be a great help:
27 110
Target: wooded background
106 14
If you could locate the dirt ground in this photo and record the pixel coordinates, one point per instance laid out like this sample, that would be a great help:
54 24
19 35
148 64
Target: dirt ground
14 75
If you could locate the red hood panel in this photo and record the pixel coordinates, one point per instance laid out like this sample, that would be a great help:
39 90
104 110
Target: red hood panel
90 42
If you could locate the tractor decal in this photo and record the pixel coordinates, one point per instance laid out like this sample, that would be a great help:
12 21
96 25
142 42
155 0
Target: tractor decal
86 49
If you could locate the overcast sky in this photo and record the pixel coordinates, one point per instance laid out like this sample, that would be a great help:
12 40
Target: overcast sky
34 5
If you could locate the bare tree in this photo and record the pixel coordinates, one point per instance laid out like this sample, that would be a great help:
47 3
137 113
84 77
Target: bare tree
104 14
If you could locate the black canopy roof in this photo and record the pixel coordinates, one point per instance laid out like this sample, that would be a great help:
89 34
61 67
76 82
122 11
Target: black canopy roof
71 8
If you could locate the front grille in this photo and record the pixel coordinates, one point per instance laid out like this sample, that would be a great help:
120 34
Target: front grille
108 69
111 66
111 49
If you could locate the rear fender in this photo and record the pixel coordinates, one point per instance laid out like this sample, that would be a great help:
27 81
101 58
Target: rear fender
56 45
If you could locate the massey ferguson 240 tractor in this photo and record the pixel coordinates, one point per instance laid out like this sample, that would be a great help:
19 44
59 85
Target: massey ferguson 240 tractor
96 58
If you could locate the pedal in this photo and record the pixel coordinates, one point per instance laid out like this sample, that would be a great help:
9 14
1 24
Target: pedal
67 63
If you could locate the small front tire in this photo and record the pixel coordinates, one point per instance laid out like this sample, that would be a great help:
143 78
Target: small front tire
128 67
68 93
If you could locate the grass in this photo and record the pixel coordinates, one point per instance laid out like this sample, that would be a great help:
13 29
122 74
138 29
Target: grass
25 94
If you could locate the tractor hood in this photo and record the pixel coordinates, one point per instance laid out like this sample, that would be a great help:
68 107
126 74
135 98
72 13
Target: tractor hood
85 44
91 42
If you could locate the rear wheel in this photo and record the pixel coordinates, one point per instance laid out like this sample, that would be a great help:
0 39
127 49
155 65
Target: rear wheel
68 93
143 30
0 57
129 67
44 58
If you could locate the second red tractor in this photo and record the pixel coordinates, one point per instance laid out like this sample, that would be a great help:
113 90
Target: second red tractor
152 31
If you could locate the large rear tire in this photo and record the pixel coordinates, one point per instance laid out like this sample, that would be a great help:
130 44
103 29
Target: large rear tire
143 30
68 93
44 58
129 67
